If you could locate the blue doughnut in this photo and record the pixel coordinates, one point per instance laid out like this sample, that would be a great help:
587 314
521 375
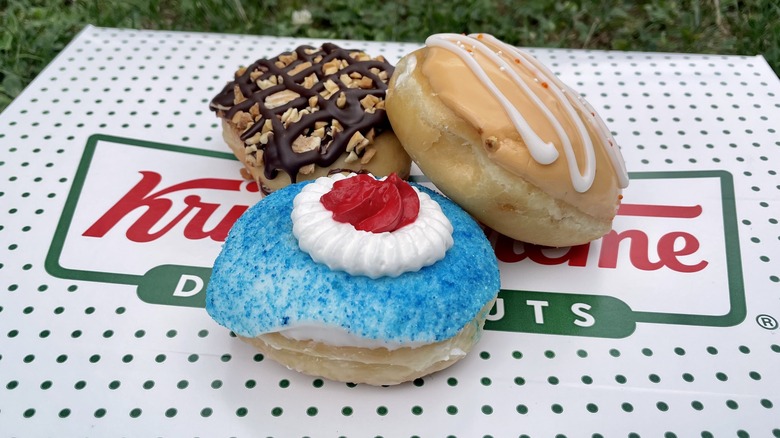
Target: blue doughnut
262 282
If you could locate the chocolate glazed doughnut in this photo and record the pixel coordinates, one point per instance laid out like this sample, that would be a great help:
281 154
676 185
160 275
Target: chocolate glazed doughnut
303 113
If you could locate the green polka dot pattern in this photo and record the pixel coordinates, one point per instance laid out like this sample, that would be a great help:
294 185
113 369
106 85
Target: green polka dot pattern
90 358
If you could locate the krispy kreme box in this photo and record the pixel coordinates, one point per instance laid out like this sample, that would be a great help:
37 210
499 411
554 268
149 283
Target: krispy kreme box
117 192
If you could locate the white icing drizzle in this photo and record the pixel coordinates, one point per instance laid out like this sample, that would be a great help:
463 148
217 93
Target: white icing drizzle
544 153
341 247
608 141
570 101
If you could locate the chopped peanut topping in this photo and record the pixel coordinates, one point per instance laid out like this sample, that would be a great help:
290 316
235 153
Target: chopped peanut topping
336 126
356 139
253 140
305 144
368 155
299 68
290 116
267 83
288 59
330 88
242 120
346 80
331 67
310 80
307 169
365 82
341 100
268 126
281 98
254 111
352 157
239 96
369 102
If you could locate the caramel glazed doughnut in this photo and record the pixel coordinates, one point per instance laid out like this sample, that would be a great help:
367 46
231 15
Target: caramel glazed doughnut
502 136
308 112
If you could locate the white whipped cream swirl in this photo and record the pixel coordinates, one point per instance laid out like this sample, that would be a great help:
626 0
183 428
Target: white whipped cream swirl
341 247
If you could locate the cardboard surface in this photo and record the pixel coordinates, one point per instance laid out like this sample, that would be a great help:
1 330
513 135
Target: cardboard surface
116 190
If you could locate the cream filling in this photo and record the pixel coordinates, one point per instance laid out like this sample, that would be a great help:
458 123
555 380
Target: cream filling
341 247
339 337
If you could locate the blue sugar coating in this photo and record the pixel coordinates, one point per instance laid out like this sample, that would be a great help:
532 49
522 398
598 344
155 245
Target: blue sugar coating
262 282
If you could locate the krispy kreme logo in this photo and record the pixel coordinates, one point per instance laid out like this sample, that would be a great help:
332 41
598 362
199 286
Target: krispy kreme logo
160 213
156 204
159 217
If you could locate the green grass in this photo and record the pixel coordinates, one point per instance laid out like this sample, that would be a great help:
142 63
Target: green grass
34 31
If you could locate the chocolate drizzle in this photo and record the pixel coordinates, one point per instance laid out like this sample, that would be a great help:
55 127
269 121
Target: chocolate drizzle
250 91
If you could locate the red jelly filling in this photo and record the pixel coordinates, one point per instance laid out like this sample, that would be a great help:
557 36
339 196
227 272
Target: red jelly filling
373 205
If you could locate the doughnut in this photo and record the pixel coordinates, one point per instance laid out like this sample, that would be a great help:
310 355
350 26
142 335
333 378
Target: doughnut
302 114
384 300
498 133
